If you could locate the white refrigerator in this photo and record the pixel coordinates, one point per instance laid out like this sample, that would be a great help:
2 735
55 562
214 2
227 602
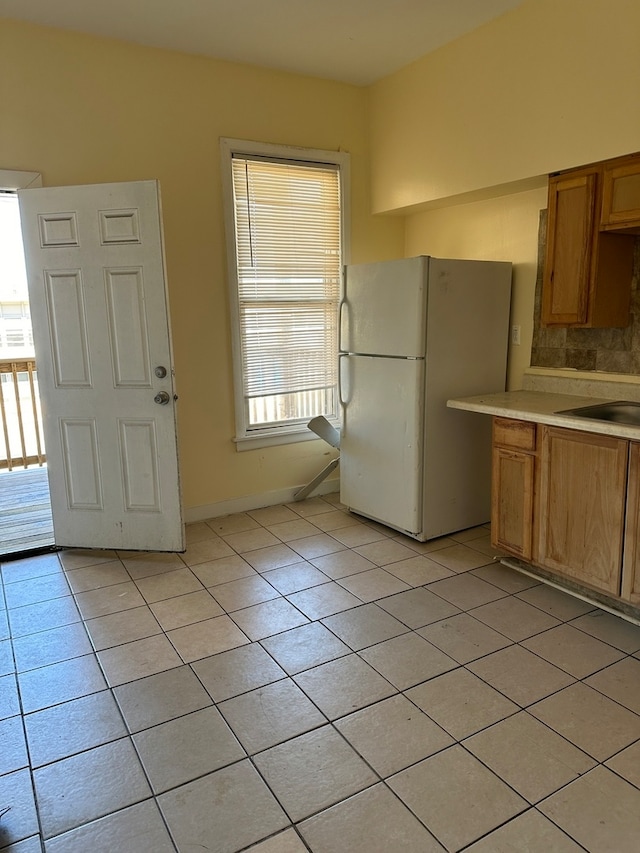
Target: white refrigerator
414 333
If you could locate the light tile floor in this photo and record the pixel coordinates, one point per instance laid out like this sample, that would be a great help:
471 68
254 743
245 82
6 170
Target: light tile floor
299 680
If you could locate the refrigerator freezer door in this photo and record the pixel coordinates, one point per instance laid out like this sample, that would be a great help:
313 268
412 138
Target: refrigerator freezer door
381 442
384 308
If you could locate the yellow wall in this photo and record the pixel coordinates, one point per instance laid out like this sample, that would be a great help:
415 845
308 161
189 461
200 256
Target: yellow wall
501 229
86 110
550 85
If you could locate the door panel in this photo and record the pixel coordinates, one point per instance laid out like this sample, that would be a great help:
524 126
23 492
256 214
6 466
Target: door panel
128 327
101 327
81 462
67 327
140 475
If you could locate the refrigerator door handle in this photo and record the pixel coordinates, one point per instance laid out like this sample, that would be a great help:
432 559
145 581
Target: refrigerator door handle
340 399
343 301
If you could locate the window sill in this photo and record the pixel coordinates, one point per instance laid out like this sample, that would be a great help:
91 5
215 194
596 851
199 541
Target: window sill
254 442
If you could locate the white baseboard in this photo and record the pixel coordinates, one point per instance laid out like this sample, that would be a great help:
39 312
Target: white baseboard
244 504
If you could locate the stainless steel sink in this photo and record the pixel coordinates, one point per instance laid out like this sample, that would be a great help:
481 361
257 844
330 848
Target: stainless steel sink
621 412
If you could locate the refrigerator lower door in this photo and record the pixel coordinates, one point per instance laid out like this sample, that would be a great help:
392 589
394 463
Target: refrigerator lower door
381 441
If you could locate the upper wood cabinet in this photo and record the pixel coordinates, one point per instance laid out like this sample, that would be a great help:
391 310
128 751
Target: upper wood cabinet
621 195
587 272
567 272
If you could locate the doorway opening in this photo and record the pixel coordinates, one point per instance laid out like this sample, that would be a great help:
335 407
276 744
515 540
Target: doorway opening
25 504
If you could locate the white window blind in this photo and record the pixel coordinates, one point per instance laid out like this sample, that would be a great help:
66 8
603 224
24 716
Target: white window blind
288 259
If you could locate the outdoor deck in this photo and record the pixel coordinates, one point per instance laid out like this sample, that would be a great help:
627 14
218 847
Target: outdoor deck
25 510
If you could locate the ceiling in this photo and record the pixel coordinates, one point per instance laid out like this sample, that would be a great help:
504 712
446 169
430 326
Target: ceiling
353 41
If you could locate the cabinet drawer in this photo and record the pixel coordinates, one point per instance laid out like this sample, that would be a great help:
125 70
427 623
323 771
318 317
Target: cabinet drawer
520 435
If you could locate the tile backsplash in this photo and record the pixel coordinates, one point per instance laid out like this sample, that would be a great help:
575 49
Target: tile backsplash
603 350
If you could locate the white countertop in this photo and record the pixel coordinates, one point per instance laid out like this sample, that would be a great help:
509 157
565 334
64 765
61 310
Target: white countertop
542 407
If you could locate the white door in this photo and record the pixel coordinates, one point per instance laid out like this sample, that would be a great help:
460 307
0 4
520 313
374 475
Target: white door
381 442
95 265
383 310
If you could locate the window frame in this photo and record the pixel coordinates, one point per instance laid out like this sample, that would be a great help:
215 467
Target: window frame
12 180
245 438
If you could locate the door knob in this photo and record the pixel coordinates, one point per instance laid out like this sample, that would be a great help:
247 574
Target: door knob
161 398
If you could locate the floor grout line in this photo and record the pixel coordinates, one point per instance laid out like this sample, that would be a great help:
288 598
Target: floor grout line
356 653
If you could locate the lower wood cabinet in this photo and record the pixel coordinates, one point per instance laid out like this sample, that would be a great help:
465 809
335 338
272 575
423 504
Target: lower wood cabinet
581 506
512 486
631 560
568 501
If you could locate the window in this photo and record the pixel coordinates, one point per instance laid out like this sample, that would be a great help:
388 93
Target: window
285 224
15 339
12 310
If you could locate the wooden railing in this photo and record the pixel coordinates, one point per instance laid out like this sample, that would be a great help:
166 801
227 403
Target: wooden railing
21 442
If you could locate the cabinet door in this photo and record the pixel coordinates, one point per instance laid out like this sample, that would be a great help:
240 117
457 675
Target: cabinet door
621 196
582 506
631 564
565 294
512 501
